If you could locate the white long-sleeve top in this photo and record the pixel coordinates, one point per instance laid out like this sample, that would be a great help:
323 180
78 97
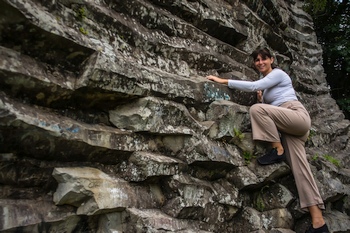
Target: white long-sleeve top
277 87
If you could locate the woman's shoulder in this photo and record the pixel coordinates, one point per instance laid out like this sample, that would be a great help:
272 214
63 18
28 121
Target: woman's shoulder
279 70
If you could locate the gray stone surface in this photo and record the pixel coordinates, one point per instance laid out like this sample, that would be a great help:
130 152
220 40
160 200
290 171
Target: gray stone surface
108 124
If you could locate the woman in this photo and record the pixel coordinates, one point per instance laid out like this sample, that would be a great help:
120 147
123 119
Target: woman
281 120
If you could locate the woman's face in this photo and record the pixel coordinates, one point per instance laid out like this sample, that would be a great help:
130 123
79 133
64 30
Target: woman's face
263 64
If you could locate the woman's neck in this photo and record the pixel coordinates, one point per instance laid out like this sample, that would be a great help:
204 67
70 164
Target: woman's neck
267 72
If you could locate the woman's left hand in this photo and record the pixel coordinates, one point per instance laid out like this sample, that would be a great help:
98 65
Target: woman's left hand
259 96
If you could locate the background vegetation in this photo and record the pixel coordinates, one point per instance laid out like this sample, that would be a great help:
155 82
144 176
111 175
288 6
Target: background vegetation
332 25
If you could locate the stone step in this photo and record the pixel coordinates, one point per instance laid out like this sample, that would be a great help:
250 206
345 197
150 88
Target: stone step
196 199
231 119
150 114
336 221
127 82
143 166
251 220
68 139
94 192
150 220
254 175
62 137
32 215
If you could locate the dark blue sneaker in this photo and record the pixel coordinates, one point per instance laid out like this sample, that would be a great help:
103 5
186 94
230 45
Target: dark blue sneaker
323 229
271 157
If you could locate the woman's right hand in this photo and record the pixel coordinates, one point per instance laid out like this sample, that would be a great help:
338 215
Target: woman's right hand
217 79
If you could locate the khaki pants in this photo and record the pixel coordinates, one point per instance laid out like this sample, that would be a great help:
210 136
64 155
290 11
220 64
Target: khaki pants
293 122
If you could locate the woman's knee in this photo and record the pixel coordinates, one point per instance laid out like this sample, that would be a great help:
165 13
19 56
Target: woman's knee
256 109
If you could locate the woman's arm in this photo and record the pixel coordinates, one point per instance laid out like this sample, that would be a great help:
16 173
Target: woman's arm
225 81
217 79
270 80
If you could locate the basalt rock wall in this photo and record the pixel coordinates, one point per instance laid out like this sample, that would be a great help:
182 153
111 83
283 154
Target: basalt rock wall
108 124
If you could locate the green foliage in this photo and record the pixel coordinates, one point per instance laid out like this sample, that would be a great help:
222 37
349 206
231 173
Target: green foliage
314 6
81 13
333 160
238 134
83 30
260 205
259 201
329 158
248 157
312 133
332 26
344 104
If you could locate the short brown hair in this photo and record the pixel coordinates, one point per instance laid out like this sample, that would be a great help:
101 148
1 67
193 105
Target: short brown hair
264 53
